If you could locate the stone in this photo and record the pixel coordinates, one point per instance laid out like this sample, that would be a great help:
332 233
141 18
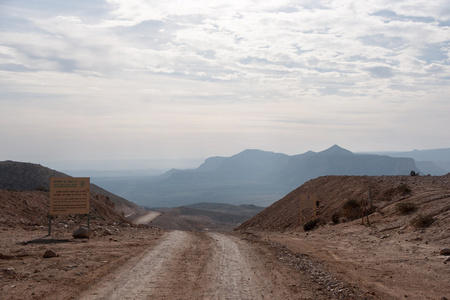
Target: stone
49 254
82 233
445 251
9 271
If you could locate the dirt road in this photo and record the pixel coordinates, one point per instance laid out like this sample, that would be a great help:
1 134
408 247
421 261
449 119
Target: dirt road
194 265
147 217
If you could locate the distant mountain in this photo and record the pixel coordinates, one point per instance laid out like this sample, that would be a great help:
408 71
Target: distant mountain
255 177
21 176
432 161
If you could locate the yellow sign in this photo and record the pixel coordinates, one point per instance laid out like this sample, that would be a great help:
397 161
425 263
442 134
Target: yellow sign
69 195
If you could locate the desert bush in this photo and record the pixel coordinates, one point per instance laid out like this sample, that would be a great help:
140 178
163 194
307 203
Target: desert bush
352 203
335 218
351 209
406 207
422 221
310 225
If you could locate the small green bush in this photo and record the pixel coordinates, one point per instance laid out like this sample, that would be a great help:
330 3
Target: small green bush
406 207
422 221
310 225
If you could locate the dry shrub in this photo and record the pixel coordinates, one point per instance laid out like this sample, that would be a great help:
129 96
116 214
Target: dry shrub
406 207
351 209
335 218
422 221
310 225
395 192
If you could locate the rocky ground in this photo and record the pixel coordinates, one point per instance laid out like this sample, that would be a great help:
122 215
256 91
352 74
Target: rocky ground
75 263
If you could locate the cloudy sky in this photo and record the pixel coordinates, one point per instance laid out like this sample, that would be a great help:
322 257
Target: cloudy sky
138 79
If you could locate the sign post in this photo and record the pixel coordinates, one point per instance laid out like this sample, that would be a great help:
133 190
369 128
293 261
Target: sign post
69 196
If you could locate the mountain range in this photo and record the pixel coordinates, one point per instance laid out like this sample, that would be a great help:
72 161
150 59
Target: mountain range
253 177
432 161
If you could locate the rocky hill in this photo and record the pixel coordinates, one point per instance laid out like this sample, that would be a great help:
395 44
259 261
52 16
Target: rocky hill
20 176
30 208
398 202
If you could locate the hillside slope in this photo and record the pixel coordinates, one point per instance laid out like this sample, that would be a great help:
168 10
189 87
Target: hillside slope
430 195
20 176
30 208
400 255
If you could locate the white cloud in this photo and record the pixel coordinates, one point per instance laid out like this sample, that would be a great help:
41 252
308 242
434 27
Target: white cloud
230 71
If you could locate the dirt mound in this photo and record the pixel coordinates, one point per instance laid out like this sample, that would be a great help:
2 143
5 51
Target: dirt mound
429 196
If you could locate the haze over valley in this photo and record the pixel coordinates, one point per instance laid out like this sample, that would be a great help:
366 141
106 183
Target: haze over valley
261 177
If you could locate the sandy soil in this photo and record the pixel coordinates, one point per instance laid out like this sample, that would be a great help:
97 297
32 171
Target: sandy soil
26 274
382 264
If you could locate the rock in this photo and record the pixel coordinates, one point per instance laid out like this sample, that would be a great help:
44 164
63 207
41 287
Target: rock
82 233
49 254
445 251
9 271
107 232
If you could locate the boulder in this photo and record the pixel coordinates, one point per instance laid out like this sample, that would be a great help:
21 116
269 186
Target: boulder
445 251
82 233
49 254
9 271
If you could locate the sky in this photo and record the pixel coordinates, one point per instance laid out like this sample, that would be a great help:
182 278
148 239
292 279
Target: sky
92 80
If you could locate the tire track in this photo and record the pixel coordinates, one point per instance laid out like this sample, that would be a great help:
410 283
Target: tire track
236 273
